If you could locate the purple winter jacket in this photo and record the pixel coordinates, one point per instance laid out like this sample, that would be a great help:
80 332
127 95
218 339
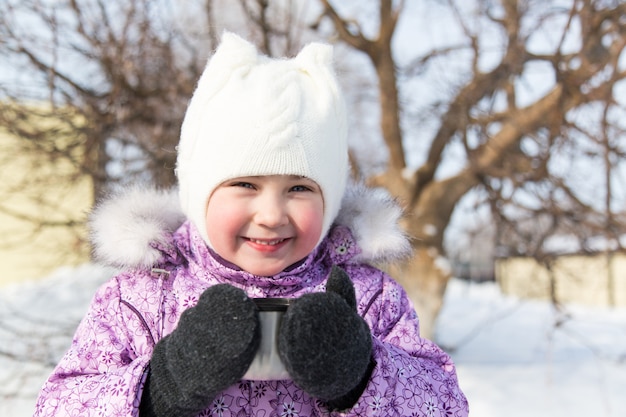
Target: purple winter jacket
167 266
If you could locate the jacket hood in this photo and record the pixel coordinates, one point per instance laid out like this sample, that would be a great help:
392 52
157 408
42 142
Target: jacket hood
129 227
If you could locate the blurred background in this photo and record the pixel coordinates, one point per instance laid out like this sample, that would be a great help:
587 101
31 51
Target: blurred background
497 124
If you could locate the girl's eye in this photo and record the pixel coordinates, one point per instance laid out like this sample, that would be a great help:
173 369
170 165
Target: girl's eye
243 185
300 188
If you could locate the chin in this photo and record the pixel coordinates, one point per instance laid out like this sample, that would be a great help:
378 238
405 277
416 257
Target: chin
264 272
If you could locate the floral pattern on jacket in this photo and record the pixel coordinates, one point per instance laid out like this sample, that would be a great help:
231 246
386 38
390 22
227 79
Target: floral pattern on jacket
103 372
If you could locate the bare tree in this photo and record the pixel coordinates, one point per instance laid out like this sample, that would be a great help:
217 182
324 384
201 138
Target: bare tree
95 91
513 148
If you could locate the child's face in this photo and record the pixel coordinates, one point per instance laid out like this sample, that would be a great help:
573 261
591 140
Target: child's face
264 224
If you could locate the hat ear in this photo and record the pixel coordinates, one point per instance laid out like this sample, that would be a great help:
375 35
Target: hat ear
234 51
315 54
234 55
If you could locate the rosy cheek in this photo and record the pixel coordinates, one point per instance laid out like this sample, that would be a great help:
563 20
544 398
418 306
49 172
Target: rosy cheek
221 223
310 223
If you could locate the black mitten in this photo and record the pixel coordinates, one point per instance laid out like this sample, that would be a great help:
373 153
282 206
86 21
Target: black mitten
325 345
211 349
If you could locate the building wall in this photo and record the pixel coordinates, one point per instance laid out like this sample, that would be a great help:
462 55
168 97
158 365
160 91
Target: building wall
32 186
596 280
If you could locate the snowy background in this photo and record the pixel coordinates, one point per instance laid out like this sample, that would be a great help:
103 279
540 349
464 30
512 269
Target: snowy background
514 357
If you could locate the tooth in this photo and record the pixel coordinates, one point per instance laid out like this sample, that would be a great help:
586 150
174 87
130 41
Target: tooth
268 243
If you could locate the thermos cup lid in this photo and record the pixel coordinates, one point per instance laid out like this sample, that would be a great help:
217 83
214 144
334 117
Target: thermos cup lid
272 304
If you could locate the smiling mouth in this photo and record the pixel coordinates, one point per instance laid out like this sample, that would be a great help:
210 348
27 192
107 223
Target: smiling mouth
272 242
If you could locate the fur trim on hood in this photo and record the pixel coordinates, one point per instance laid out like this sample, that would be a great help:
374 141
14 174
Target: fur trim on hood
128 227
373 217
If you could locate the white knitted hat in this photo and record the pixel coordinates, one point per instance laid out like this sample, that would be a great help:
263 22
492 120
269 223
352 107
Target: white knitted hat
254 115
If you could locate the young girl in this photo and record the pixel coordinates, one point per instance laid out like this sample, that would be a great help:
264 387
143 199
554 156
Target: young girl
262 210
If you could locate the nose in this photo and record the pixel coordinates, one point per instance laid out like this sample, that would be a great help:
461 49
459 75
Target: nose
271 211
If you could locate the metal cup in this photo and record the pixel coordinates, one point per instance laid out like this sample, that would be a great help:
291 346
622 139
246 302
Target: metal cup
267 364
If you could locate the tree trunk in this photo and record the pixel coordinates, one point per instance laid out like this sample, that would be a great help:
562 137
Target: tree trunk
424 276
424 280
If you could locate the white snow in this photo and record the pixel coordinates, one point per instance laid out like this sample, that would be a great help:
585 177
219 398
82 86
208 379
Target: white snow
514 357
526 358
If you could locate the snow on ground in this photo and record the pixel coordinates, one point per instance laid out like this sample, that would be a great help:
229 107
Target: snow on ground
514 357
526 358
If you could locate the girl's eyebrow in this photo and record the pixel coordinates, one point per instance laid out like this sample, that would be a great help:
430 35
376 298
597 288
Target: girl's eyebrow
301 177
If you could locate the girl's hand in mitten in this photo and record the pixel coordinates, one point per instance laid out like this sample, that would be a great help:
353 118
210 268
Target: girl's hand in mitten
211 349
325 345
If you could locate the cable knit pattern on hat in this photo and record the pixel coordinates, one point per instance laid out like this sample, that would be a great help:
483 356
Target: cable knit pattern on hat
254 115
